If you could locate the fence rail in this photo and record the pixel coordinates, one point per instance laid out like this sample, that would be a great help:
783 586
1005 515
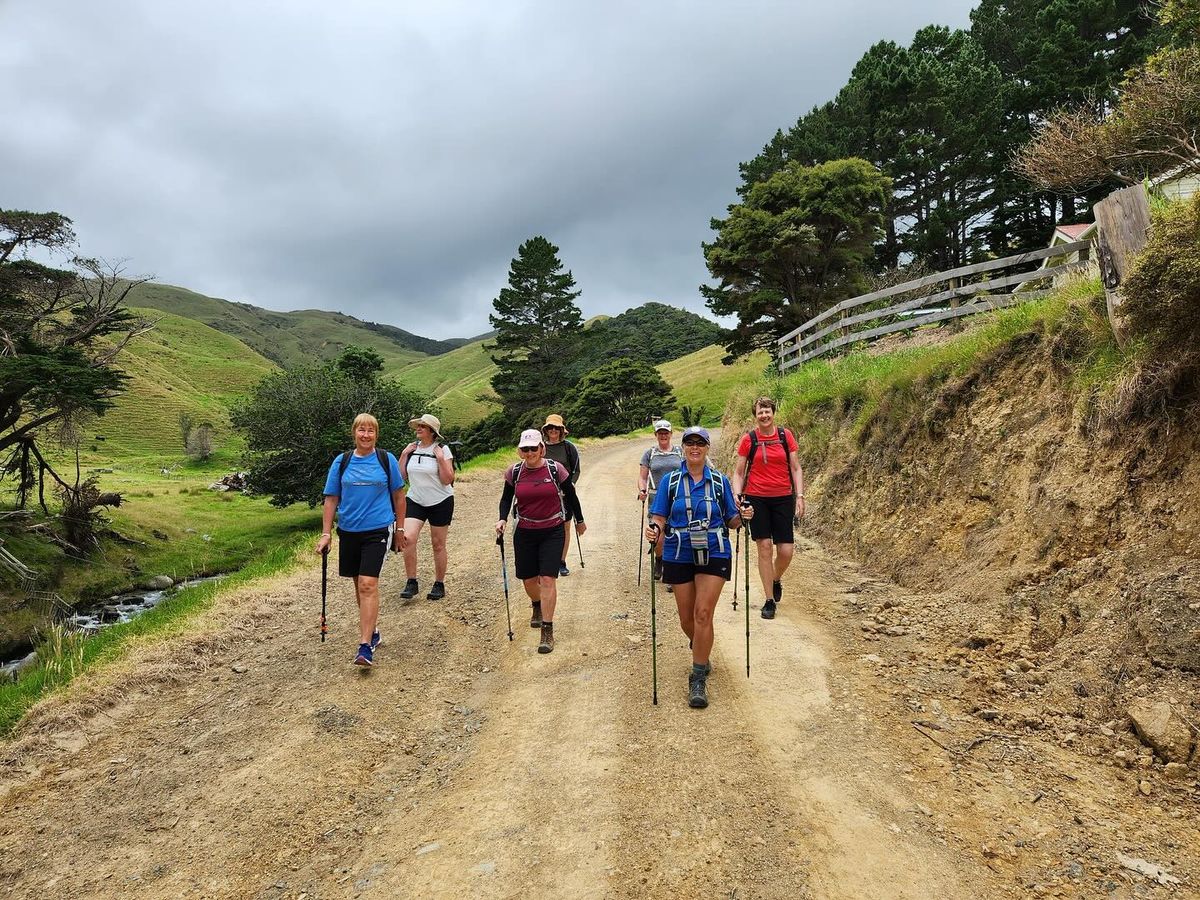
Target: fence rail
806 342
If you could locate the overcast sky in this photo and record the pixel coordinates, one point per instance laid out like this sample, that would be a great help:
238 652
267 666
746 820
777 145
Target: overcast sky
386 158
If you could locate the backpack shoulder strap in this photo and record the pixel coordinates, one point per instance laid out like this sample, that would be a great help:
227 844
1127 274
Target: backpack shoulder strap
343 463
750 457
385 464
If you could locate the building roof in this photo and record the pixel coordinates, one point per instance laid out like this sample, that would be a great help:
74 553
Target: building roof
1075 232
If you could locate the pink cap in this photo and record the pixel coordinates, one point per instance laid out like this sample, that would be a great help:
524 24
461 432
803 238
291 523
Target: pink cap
530 437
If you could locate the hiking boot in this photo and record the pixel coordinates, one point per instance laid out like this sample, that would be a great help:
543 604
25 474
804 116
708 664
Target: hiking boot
697 690
410 589
563 571
535 621
768 610
777 590
437 592
376 640
366 657
547 644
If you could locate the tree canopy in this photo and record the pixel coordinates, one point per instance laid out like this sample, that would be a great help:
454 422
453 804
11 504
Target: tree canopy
794 246
61 331
295 422
618 397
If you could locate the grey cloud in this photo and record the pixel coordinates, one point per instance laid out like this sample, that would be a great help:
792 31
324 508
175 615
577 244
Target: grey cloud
387 159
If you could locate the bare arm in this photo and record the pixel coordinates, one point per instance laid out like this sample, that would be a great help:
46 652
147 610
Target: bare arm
738 476
327 511
445 466
643 481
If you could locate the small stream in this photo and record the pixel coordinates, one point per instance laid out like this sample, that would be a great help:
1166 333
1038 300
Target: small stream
102 614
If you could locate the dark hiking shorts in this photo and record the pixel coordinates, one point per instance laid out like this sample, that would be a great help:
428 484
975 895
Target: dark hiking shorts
361 552
773 517
682 573
438 515
538 551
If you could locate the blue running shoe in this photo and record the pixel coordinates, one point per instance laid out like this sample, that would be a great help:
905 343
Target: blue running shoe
365 656
376 640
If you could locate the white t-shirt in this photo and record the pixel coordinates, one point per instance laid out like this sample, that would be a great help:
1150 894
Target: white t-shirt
424 483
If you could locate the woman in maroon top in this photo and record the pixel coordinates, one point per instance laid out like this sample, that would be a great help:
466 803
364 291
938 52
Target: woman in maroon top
545 499
772 480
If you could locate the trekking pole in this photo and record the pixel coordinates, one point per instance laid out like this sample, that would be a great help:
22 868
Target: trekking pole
653 627
737 552
579 547
641 540
324 587
747 605
504 570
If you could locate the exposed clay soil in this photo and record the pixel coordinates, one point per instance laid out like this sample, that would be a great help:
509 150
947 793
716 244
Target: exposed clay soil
249 760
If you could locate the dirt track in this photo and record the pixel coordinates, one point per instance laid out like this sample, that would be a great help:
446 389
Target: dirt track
468 765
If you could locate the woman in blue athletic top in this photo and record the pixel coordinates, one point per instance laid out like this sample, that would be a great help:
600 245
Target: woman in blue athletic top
364 487
692 513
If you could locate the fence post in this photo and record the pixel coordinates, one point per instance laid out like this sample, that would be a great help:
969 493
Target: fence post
1122 224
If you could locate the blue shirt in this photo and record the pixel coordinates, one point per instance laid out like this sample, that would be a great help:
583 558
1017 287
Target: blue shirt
707 507
363 501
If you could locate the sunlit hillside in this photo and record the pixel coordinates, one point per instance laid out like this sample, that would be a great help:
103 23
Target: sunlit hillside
700 379
455 380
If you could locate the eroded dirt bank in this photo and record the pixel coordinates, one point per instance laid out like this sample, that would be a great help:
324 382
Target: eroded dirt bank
248 760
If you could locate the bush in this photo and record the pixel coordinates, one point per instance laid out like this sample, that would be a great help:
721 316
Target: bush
1162 292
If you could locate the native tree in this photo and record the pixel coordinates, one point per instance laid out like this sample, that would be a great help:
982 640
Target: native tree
295 422
796 245
61 332
618 397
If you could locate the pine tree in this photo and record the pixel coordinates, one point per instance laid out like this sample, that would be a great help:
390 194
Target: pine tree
536 323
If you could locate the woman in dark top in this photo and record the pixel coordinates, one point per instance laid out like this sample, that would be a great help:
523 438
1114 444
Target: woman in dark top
545 500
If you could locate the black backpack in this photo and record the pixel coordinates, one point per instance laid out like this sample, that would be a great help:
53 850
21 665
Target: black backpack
380 455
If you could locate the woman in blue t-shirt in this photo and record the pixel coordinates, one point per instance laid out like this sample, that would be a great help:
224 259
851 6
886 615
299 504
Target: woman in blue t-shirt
692 513
364 487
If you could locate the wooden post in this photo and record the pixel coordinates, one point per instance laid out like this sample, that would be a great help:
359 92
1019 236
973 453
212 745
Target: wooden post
1122 225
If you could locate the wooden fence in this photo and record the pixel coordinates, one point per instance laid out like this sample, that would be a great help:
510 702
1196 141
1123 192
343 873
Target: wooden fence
836 328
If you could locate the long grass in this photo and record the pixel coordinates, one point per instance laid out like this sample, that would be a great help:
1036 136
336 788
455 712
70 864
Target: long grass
63 655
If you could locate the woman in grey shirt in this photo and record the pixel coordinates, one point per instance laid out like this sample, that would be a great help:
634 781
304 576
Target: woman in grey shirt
657 463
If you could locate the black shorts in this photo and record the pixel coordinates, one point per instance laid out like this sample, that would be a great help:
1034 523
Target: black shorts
361 552
773 518
538 551
682 573
438 515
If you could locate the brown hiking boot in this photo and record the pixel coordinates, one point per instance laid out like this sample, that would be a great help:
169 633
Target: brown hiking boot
535 621
547 644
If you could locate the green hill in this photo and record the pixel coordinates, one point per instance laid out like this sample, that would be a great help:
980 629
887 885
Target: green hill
700 379
455 380
295 338
179 366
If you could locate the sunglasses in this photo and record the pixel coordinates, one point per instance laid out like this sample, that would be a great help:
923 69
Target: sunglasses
527 449
695 443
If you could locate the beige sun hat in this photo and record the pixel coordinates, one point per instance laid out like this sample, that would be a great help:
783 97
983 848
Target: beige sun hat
557 421
429 421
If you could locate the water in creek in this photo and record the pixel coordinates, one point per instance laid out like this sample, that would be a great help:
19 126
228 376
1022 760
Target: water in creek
103 614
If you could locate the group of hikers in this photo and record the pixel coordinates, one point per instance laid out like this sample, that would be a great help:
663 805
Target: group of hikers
381 500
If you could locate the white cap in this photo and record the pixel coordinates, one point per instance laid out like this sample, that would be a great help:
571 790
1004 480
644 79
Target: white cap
662 425
530 437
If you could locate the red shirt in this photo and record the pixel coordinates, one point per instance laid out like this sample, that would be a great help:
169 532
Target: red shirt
769 474
538 503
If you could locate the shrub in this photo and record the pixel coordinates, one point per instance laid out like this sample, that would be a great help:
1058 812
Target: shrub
1162 292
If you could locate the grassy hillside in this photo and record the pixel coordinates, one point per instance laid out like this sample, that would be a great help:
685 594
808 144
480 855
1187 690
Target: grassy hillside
455 380
180 366
290 338
701 380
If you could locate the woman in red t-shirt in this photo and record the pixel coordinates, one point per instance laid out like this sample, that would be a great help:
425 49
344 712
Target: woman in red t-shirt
542 509
773 482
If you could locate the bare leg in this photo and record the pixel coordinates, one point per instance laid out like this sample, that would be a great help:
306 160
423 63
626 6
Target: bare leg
783 559
766 566
549 588
566 540
366 594
708 591
437 537
685 601
412 529
533 587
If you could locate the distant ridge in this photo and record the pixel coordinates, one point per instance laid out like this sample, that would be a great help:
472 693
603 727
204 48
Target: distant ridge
290 339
